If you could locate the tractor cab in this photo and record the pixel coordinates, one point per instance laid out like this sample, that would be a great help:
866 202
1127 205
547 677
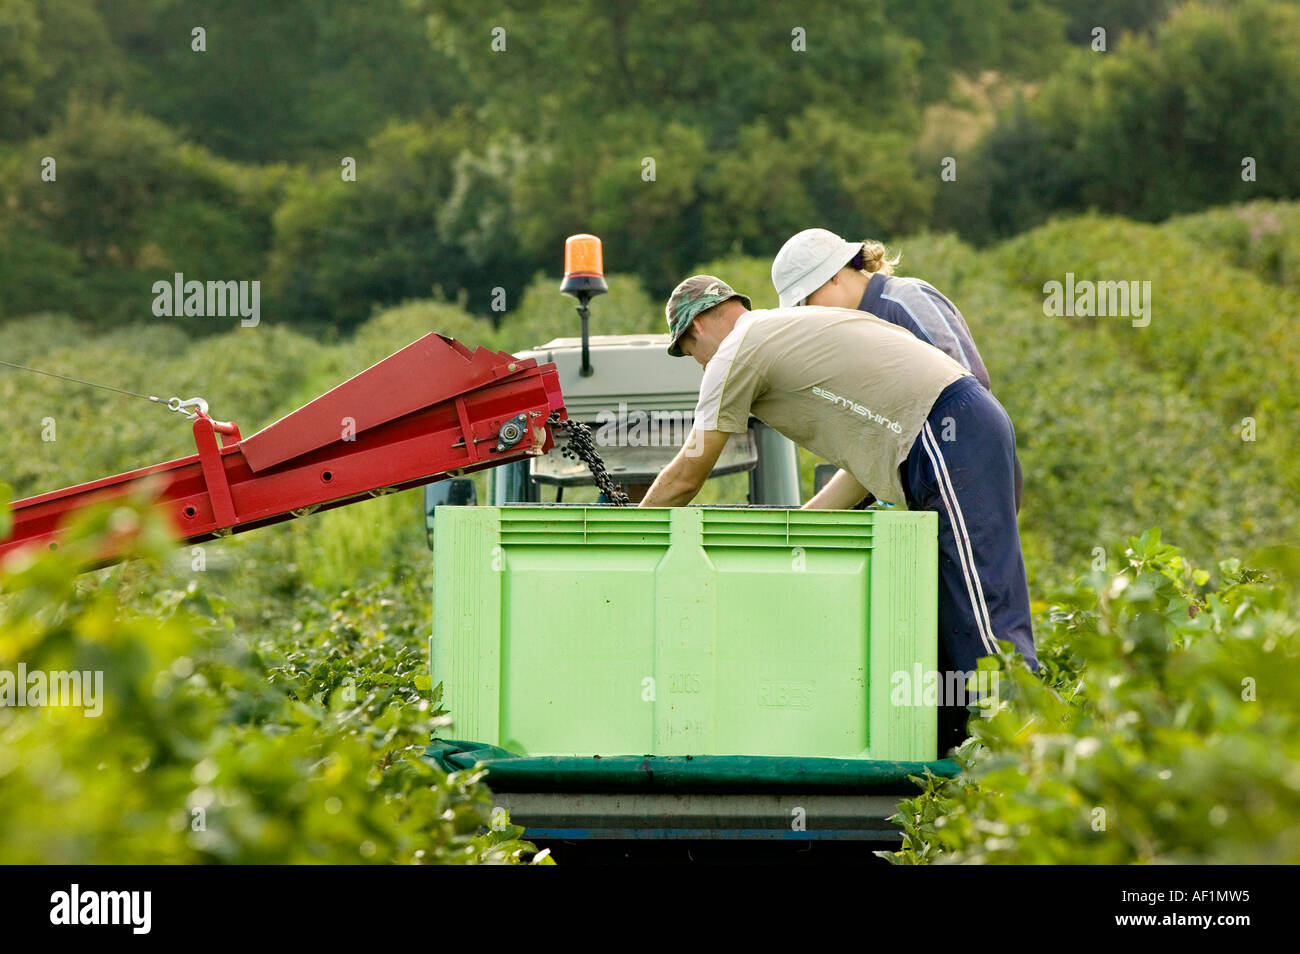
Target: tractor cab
639 405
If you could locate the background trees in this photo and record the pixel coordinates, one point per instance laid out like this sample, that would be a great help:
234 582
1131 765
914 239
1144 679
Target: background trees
677 136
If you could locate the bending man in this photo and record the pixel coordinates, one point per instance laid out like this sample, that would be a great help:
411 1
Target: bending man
901 420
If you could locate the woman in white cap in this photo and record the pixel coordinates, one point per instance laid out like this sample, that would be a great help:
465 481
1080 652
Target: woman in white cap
817 267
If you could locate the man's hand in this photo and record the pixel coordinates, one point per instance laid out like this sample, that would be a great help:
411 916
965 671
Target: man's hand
682 479
842 492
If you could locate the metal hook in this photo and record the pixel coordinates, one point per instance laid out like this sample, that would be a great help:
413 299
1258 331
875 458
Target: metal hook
176 404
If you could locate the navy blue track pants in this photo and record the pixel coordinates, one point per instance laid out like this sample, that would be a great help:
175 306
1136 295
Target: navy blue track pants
963 466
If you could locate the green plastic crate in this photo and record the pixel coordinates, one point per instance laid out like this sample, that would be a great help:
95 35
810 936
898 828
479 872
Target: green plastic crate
685 631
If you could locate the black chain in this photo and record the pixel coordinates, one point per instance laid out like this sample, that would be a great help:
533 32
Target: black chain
581 447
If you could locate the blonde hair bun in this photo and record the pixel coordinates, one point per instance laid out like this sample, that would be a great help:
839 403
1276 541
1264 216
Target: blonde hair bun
873 258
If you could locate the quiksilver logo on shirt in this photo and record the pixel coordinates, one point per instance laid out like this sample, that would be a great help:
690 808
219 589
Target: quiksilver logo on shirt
859 409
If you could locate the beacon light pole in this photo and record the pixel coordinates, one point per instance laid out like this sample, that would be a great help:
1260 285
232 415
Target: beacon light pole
584 278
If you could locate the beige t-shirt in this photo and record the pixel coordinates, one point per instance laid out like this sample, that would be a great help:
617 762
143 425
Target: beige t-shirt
850 387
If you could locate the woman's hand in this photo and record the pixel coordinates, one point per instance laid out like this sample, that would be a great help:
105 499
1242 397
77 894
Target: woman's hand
842 492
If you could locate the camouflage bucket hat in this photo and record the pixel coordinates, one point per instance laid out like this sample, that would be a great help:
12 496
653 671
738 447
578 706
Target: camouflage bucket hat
697 294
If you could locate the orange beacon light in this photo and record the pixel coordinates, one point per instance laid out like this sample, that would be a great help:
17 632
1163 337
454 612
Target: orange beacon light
584 277
584 267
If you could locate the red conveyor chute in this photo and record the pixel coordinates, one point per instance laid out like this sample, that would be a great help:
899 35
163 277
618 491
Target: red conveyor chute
432 410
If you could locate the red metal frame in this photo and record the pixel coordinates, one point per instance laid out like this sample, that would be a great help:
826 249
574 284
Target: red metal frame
432 410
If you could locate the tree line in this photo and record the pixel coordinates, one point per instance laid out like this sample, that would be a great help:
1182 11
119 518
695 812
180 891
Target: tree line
350 155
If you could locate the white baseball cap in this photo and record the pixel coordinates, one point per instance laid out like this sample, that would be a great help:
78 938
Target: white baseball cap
807 261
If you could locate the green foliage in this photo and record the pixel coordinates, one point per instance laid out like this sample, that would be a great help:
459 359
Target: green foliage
829 170
214 745
1005 35
1191 423
390 329
1154 126
715 76
328 74
341 245
653 227
331 547
249 374
51 50
1161 729
1115 16
1262 237
35 272
131 204
21 67
466 185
